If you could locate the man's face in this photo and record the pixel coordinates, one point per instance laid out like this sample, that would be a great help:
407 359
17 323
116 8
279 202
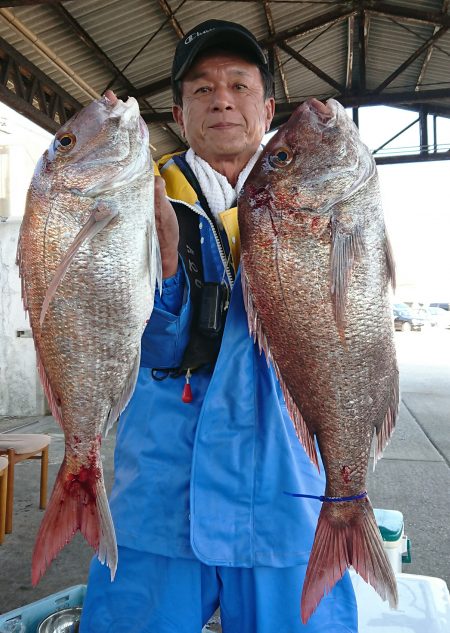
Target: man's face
224 115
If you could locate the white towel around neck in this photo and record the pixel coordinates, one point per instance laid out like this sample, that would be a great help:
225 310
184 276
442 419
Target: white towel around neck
218 192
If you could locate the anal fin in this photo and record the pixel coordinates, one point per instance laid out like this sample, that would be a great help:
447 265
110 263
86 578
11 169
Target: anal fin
124 396
155 262
385 430
53 401
304 434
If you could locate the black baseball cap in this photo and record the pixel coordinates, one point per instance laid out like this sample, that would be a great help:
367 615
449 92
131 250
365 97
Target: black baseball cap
210 34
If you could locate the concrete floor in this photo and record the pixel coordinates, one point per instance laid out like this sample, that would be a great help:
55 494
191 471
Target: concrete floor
413 477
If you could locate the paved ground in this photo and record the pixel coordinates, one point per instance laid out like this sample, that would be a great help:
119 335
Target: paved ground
413 477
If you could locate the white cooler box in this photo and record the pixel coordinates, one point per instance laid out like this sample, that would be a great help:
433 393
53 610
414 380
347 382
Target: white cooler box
423 606
424 602
395 542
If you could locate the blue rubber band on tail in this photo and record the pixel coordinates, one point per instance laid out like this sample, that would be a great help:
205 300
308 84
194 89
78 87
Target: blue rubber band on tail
361 495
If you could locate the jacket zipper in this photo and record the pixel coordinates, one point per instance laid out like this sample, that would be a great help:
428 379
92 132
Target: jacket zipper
223 257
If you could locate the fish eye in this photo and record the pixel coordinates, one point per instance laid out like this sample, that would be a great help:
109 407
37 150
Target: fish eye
65 142
281 158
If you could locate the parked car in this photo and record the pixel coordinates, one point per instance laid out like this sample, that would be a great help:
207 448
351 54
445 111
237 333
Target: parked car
444 306
439 317
425 315
405 319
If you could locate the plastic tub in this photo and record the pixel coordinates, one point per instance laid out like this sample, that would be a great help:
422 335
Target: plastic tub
27 619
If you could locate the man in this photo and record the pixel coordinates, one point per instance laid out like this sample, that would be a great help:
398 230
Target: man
205 448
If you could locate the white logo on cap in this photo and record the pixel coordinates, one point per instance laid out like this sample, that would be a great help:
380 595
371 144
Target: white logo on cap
193 36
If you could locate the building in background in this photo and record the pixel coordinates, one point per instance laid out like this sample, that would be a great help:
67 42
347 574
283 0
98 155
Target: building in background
21 145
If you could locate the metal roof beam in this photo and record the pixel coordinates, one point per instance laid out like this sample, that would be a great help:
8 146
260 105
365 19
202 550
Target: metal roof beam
411 58
423 129
82 35
275 52
361 35
5 4
102 57
350 56
395 98
349 101
412 158
427 58
312 67
308 26
408 14
407 127
332 17
172 19
342 13
153 88
46 52
31 92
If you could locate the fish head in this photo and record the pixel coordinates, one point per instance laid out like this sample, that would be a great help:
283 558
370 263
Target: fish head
101 148
312 163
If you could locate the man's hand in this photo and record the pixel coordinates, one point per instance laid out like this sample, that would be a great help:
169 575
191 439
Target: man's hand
167 228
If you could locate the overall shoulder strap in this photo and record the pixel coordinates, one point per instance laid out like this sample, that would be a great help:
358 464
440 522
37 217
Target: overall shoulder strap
200 350
189 244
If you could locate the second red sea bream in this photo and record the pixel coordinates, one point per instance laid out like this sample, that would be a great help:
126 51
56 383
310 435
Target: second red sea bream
317 269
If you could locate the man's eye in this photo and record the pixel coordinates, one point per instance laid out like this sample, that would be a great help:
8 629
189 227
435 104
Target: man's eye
240 86
202 90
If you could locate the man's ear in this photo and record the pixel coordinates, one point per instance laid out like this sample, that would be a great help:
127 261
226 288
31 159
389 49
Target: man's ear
270 111
177 113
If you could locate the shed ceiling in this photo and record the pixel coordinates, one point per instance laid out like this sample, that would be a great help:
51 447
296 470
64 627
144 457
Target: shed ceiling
55 57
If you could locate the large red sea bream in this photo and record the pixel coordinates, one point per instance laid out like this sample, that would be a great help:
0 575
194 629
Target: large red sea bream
88 257
317 269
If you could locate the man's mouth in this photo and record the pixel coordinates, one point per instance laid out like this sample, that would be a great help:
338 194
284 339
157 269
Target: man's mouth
223 126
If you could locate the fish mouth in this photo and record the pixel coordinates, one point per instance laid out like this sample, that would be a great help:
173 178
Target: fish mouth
110 98
319 116
126 110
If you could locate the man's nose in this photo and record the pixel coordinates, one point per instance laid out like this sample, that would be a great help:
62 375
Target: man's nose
222 100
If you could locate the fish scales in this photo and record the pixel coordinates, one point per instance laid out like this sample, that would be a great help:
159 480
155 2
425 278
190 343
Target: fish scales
316 266
88 258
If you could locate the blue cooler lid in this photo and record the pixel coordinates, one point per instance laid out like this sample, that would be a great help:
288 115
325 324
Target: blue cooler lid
390 524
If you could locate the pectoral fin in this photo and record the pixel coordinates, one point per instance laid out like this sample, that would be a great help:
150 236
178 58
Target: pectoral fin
154 255
390 262
99 218
346 249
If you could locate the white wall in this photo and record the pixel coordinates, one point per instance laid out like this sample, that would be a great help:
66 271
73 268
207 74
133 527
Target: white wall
20 390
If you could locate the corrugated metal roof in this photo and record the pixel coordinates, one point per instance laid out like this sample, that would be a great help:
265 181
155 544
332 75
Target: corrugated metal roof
326 49
137 36
425 5
392 44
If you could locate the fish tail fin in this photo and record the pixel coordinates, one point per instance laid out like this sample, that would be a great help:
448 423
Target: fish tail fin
344 538
78 502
